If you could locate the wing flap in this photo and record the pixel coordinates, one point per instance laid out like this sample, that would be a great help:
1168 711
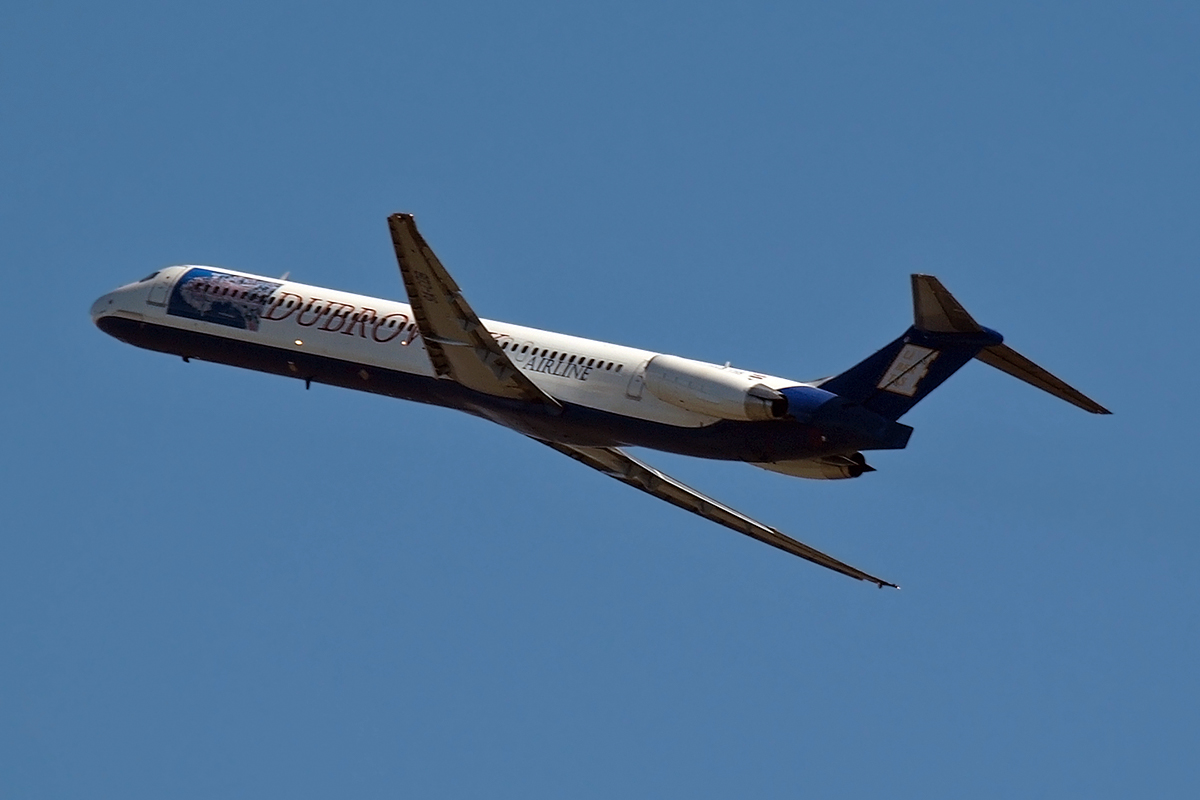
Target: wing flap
628 470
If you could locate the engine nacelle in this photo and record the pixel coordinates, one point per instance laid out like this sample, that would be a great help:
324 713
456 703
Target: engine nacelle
824 468
718 392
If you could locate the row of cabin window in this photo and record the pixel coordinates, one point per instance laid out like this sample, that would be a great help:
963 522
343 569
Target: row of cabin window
591 362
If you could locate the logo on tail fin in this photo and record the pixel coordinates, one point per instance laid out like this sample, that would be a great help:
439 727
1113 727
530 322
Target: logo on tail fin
907 370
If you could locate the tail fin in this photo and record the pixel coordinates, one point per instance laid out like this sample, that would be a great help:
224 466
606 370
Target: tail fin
942 339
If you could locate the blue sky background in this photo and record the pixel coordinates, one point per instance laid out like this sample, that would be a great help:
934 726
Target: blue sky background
216 584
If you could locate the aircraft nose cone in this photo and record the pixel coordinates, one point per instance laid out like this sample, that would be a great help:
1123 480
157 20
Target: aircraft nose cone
101 307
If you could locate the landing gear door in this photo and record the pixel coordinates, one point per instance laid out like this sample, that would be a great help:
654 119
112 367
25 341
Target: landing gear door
160 288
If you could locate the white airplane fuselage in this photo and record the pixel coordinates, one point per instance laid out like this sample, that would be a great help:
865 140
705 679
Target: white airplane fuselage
371 344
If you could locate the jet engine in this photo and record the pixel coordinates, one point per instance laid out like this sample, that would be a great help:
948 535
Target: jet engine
728 393
718 392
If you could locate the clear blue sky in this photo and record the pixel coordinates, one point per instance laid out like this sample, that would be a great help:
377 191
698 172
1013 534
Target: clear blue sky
216 584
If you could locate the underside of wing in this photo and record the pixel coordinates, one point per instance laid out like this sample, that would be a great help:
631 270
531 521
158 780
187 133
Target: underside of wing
459 346
628 470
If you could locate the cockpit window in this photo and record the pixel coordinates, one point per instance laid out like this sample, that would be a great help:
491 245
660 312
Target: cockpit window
151 275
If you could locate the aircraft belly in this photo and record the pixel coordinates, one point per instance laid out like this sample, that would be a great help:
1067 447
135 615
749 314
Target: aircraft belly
727 440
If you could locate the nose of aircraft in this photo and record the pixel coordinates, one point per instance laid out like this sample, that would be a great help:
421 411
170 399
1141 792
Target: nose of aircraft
103 306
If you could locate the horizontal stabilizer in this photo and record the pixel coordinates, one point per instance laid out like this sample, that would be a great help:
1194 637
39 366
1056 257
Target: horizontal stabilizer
1005 359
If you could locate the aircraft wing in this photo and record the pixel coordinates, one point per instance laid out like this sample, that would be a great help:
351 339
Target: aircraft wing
628 470
459 346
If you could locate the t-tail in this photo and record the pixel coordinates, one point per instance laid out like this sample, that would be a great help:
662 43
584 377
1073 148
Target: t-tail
942 339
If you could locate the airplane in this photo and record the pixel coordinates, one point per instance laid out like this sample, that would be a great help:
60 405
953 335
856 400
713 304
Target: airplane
586 399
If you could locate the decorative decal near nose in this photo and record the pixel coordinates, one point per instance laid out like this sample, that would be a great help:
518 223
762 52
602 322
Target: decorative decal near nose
219 297
907 370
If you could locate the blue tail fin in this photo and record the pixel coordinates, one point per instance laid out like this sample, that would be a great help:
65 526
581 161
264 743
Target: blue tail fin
942 339
900 375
